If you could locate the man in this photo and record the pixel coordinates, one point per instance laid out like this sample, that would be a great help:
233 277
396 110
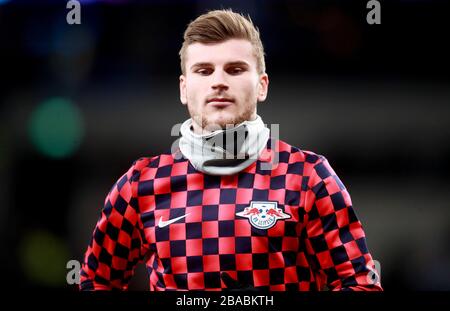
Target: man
229 208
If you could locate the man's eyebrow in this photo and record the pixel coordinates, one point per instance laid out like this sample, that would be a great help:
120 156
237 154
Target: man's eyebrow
204 64
238 63
234 63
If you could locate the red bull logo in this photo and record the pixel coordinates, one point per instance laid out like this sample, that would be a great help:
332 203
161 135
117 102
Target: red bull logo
263 215
251 211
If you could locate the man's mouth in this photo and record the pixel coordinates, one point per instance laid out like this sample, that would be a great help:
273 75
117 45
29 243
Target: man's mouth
220 102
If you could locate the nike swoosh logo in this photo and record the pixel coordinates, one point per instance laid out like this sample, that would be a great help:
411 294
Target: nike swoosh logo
163 223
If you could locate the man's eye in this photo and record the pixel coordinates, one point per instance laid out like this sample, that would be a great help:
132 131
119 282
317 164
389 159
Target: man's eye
236 70
203 71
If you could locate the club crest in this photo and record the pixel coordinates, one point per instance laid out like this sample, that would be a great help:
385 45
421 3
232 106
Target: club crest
263 215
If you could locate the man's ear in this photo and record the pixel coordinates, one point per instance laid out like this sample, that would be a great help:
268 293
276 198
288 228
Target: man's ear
183 95
263 87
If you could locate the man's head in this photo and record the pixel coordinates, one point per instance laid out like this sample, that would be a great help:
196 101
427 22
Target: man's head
223 70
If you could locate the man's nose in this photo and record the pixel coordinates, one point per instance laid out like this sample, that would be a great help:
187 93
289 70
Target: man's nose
219 80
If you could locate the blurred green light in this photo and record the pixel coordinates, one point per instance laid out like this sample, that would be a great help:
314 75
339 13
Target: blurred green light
56 128
43 258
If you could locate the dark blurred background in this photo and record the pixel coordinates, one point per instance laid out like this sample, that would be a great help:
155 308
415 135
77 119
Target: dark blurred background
79 103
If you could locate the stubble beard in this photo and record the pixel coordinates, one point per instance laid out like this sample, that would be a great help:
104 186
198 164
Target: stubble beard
222 123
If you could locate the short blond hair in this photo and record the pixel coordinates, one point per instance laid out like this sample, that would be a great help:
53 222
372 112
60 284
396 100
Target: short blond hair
221 25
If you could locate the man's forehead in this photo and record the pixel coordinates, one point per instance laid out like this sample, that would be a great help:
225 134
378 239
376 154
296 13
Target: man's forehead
230 51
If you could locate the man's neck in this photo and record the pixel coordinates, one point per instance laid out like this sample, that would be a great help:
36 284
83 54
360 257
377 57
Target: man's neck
197 129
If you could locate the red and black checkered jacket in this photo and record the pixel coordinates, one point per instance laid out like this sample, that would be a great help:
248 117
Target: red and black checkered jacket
184 225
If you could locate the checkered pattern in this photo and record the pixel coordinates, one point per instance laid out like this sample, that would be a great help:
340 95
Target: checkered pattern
321 244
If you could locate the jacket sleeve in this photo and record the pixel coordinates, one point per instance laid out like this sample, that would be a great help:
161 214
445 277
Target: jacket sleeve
334 237
117 243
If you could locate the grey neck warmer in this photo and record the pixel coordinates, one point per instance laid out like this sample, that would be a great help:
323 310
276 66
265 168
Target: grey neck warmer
224 152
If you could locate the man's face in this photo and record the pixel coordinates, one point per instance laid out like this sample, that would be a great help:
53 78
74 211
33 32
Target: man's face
221 85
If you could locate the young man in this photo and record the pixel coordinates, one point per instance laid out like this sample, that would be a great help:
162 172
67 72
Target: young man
230 208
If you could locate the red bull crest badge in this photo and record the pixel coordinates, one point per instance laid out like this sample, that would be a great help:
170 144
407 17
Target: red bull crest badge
263 215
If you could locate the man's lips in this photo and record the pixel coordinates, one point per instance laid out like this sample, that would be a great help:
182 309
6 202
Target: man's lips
220 102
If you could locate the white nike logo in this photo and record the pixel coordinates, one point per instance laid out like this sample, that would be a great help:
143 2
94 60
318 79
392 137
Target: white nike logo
163 223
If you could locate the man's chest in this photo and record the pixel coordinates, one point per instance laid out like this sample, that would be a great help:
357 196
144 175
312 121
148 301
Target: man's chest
238 214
